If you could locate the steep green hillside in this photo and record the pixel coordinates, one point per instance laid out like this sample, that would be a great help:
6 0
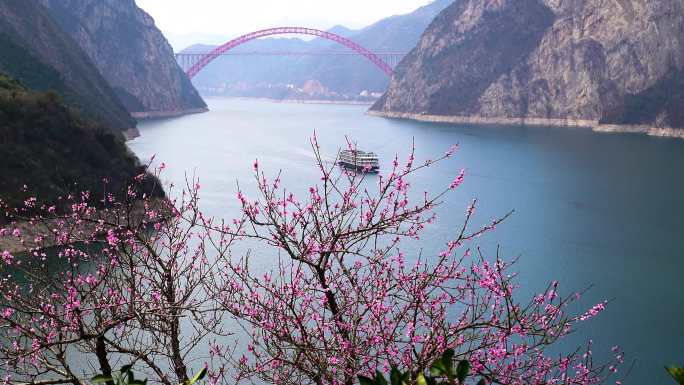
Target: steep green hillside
48 147
37 52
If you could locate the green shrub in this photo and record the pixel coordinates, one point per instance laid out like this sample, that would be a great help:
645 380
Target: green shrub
51 149
125 376
442 372
676 373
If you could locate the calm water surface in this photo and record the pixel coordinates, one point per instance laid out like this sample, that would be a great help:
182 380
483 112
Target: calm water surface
597 210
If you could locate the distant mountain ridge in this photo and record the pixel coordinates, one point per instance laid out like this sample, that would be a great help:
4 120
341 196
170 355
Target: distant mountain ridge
400 32
130 52
342 74
611 65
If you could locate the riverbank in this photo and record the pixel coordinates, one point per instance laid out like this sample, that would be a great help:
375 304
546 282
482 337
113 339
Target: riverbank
133 132
662 132
144 115
298 101
595 125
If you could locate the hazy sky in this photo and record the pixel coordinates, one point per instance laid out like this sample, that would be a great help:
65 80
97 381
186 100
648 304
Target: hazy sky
212 21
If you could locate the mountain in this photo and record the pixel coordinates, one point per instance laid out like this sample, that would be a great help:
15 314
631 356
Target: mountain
48 147
61 123
400 32
37 52
614 65
130 52
340 30
341 75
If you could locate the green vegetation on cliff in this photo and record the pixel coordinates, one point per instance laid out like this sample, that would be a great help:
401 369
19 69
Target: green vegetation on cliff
48 147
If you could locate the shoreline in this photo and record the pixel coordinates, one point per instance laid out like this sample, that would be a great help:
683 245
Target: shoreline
594 125
144 115
133 132
297 101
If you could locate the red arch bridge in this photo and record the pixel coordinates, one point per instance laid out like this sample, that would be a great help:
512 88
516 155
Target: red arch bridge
193 63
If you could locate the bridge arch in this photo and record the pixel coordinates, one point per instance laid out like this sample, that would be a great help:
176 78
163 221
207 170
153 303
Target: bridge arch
208 58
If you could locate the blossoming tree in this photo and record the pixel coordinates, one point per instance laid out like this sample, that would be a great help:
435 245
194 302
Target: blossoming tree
155 282
107 281
344 299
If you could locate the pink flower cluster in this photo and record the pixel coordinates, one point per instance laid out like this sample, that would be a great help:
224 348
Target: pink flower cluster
594 311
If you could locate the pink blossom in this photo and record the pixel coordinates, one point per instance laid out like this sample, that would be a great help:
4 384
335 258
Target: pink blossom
7 257
595 310
156 296
451 150
457 182
112 239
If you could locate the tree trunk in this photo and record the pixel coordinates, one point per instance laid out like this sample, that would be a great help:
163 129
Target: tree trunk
179 367
101 353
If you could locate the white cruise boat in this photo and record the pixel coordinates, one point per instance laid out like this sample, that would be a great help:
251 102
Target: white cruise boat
360 161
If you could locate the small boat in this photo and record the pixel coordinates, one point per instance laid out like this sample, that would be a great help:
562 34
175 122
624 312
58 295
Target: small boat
359 161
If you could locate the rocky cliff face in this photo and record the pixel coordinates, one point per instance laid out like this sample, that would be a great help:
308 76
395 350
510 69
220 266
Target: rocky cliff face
37 52
131 53
589 62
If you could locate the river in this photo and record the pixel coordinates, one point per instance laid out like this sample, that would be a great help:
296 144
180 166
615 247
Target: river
600 210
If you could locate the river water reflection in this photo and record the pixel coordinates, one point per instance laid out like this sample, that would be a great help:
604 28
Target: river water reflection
591 209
